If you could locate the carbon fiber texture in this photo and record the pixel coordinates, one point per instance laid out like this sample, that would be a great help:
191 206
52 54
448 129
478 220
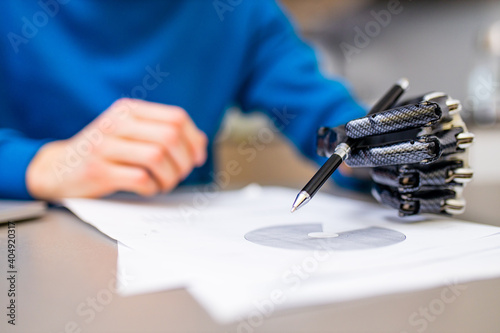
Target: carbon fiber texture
399 153
429 202
422 177
448 140
433 205
394 120
410 171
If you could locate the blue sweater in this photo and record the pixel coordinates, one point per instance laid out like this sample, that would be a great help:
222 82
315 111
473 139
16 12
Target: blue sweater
63 62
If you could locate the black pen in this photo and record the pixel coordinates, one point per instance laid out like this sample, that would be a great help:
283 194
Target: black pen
342 150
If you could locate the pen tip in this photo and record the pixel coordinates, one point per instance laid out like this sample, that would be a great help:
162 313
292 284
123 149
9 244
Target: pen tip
302 198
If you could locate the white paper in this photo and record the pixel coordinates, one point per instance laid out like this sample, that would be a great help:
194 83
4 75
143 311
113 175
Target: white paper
197 240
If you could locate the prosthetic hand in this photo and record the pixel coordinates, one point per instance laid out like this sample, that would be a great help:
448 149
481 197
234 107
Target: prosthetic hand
418 152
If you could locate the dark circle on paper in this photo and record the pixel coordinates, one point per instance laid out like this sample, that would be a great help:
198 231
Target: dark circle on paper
312 237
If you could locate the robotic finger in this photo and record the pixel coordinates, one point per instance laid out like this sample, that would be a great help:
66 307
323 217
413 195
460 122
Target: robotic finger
445 201
413 178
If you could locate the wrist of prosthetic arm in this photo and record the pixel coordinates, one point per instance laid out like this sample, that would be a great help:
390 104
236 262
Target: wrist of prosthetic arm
418 152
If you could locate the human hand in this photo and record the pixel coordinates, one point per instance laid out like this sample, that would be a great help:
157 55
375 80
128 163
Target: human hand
417 152
134 146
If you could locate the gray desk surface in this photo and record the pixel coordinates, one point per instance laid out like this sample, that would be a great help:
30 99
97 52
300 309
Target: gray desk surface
64 263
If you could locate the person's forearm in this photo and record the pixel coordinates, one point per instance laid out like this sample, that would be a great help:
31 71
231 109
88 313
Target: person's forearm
16 152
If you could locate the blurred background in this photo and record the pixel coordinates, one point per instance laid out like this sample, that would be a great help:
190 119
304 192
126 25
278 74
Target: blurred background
450 46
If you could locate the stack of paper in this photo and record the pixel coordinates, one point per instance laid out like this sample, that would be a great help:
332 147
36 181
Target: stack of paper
240 253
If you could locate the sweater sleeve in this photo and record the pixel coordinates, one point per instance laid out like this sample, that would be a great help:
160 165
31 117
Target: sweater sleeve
16 152
283 80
